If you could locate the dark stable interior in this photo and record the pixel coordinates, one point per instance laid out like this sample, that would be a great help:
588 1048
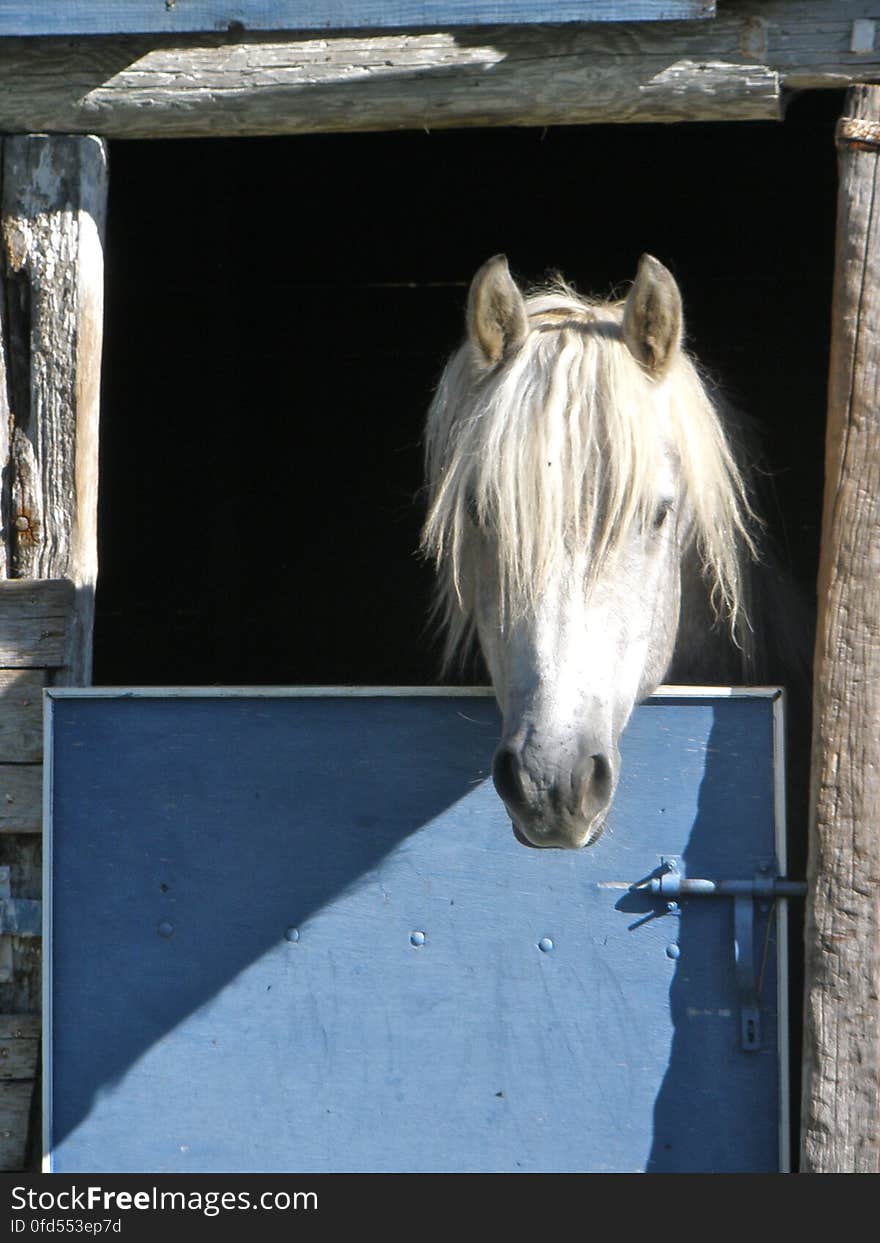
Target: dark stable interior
279 310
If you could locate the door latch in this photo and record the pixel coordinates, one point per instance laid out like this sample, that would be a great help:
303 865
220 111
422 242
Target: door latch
670 884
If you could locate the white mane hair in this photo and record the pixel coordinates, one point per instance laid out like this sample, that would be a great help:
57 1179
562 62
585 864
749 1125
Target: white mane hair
564 442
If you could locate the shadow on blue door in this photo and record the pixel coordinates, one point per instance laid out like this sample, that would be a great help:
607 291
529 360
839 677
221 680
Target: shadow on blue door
697 1110
298 934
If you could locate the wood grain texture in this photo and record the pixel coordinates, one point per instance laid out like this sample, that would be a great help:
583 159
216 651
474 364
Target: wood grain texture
19 1026
21 715
31 643
841 1118
22 854
19 1055
21 798
34 598
15 1106
22 17
18 1058
53 208
733 67
35 623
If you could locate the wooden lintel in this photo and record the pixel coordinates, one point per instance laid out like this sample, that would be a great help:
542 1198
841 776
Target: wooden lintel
735 66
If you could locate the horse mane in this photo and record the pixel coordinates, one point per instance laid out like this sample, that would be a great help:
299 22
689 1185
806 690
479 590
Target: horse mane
515 449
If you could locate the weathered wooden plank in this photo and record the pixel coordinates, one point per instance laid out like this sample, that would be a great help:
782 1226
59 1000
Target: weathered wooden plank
23 17
841 1108
21 798
5 411
18 1059
34 598
15 1105
20 967
28 643
21 715
734 67
19 1026
53 206
35 623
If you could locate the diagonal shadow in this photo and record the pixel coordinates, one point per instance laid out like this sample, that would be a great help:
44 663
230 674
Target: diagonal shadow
708 1068
181 807
236 893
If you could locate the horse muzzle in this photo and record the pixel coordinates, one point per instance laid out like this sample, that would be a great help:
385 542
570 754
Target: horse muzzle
562 811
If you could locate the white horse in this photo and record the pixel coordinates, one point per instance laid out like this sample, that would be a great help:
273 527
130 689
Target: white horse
590 525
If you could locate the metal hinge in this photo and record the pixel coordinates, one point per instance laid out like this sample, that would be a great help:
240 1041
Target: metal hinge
669 883
19 917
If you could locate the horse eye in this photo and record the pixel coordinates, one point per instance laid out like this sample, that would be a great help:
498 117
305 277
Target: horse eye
661 514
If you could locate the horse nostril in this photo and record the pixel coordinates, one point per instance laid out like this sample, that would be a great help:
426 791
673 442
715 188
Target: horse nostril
601 779
592 783
507 775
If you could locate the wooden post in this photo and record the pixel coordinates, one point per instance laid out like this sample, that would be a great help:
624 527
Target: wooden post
841 1102
52 208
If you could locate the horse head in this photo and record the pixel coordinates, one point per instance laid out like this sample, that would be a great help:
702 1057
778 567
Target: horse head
575 464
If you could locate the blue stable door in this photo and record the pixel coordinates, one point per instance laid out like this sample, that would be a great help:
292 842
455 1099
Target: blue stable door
294 932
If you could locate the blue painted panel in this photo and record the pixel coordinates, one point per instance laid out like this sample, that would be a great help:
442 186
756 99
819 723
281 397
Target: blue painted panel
63 17
298 934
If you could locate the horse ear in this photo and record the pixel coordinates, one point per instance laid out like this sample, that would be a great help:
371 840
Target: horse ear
496 313
652 316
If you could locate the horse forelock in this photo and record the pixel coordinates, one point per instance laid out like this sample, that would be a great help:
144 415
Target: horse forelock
565 442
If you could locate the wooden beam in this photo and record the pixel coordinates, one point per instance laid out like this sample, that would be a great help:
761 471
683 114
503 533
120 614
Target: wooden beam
52 210
841 1106
52 207
735 67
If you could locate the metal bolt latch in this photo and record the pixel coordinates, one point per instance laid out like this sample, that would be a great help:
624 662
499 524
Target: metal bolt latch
669 883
